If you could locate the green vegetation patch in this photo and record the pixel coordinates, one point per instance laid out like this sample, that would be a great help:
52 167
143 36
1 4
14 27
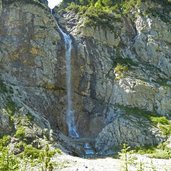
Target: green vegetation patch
4 141
31 152
8 161
161 151
162 123
97 13
120 70
104 12
20 133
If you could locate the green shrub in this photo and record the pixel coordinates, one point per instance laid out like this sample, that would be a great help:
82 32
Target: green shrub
120 70
31 152
161 151
45 158
125 156
162 123
20 133
161 154
8 161
58 151
4 141
166 129
162 120
73 7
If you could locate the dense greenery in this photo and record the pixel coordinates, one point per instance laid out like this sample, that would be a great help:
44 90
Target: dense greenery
102 12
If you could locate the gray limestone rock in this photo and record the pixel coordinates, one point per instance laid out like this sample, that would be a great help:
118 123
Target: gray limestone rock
127 66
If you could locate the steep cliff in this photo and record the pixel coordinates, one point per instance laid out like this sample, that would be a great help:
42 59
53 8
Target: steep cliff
121 70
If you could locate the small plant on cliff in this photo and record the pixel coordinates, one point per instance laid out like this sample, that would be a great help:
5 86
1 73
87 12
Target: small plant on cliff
20 133
162 123
125 157
120 70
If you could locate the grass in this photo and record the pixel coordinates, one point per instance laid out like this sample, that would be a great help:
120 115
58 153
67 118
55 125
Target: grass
162 123
161 151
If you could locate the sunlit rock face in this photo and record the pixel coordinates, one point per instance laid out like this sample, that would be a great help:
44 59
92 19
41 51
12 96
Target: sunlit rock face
32 58
117 75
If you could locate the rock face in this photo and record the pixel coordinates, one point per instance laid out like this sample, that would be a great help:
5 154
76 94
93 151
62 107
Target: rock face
128 66
30 63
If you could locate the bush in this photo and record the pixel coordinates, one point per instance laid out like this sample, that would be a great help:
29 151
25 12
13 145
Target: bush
162 123
4 141
161 151
8 162
120 70
31 152
20 133
162 120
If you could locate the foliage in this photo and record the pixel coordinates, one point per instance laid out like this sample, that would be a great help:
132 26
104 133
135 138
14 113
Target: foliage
20 133
45 157
162 123
162 120
8 162
4 141
161 151
125 156
31 152
120 70
104 12
58 151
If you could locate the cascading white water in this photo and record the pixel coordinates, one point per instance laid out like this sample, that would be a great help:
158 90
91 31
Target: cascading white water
70 119
70 113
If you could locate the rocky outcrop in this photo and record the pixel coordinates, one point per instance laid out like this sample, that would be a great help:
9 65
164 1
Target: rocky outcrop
126 66
135 131
30 47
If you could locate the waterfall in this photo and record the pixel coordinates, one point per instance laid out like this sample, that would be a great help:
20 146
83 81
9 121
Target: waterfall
70 119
